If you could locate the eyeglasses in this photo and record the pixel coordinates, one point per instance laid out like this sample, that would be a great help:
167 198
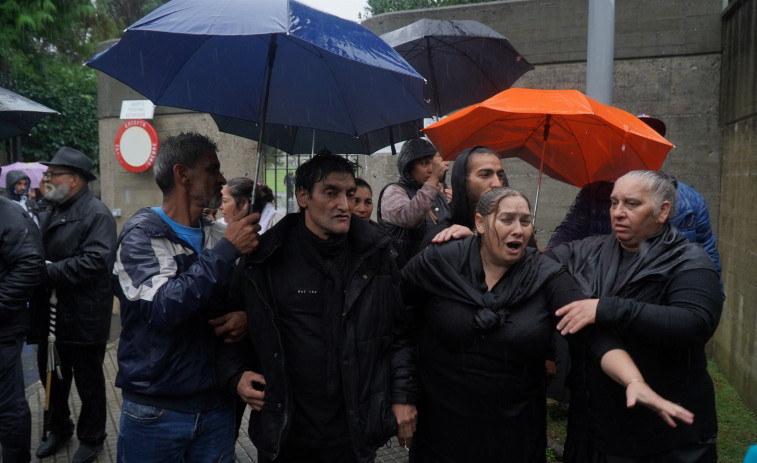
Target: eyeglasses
50 175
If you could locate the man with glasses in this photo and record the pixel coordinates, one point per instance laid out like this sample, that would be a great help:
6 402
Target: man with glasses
78 236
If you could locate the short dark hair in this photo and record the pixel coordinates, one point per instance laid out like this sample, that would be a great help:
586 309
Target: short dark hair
186 149
360 183
240 188
318 167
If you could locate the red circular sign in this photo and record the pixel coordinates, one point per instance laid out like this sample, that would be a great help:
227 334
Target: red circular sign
136 145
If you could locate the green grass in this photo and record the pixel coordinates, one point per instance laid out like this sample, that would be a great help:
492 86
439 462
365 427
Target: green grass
737 424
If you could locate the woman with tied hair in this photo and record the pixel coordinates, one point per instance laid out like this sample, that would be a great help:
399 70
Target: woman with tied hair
661 295
484 307
268 214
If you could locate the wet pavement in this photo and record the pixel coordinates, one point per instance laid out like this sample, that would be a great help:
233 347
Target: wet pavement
35 393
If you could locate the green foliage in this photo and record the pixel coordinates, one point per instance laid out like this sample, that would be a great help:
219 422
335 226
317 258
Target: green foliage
43 44
386 6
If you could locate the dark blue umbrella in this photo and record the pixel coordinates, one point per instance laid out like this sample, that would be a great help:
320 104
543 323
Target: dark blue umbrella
233 57
464 61
303 140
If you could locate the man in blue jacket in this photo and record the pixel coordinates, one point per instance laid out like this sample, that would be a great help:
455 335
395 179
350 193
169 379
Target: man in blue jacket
171 276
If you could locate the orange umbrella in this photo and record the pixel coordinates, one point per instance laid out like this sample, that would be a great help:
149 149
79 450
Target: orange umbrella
563 133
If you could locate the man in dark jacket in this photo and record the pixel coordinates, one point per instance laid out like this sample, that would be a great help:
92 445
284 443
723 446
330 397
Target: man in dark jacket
408 208
78 237
171 276
22 271
19 185
476 171
327 368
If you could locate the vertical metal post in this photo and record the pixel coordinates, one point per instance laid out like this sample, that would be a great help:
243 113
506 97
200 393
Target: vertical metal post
600 50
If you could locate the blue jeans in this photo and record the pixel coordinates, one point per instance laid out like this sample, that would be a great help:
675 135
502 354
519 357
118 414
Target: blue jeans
151 434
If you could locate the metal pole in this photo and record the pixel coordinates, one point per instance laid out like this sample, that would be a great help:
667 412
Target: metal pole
600 50
271 58
541 167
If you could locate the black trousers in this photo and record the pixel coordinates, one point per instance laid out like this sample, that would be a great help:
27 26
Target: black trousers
15 417
293 454
83 364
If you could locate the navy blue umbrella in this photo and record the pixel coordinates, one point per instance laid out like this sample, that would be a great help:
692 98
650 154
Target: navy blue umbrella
266 61
303 140
464 61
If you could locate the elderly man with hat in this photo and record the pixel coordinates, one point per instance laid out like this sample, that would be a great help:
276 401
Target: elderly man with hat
78 236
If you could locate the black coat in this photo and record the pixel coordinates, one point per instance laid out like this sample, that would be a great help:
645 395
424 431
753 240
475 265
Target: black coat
665 305
79 236
375 363
22 268
482 353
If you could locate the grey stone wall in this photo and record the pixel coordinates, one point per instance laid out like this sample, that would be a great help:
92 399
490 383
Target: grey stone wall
736 338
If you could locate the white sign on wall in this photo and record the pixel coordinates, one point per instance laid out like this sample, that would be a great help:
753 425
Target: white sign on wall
137 109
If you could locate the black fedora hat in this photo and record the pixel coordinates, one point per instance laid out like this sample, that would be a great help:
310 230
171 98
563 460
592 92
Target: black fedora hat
74 160
653 122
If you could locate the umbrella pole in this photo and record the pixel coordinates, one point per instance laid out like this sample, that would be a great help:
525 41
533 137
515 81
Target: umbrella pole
271 57
541 168
437 105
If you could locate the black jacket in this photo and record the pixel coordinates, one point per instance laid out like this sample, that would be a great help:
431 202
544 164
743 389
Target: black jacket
481 352
22 268
665 304
79 236
376 358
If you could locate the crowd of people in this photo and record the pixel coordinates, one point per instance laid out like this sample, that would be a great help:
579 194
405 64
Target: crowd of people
434 323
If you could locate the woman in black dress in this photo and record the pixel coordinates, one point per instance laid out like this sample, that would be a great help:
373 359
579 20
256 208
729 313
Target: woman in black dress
485 308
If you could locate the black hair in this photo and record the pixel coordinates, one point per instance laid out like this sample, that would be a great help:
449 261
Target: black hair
360 183
240 188
185 149
263 194
318 167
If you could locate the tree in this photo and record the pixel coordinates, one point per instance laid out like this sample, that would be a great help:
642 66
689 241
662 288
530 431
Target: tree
386 6
43 44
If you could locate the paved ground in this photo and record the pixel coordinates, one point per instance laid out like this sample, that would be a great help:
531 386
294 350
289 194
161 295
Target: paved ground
35 392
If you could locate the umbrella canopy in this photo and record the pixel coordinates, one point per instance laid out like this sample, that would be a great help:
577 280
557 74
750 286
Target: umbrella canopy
463 61
33 170
326 73
18 115
302 140
564 133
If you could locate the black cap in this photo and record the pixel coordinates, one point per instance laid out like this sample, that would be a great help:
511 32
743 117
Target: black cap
653 122
74 160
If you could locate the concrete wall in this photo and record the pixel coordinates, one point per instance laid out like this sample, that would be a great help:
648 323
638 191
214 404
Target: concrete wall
736 340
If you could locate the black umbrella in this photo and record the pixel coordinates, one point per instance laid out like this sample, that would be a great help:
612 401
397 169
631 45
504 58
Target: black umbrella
302 140
464 62
18 114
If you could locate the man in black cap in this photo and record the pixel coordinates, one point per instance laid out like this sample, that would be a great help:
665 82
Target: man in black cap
78 236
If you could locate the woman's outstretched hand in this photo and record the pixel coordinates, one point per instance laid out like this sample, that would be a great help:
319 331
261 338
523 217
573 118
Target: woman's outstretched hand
640 392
